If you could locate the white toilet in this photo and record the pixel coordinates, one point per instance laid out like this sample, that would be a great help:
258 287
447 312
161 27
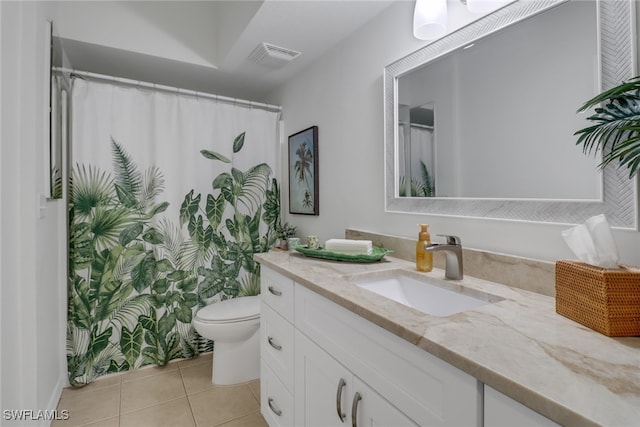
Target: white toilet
234 326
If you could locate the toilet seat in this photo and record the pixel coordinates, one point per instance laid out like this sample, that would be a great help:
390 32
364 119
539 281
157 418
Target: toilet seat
231 311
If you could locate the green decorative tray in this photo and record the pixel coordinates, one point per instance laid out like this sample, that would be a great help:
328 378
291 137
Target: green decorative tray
376 255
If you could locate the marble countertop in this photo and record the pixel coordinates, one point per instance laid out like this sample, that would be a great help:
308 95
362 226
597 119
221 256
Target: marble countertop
518 345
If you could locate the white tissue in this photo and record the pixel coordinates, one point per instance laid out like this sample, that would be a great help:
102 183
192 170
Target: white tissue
603 241
593 242
580 242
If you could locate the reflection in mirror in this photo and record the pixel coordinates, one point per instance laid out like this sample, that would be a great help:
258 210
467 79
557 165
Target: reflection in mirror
494 138
416 151
55 119
58 90
502 94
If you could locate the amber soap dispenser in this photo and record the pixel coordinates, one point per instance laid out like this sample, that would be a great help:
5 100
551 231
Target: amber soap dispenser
424 259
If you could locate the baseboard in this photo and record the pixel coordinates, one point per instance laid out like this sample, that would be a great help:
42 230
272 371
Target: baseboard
52 405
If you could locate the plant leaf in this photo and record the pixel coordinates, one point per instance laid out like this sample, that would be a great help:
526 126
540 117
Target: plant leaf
189 207
215 210
99 341
159 208
616 127
183 313
131 343
128 177
214 156
143 274
153 236
130 233
238 142
222 181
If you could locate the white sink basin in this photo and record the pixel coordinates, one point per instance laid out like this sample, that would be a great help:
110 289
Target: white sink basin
422 295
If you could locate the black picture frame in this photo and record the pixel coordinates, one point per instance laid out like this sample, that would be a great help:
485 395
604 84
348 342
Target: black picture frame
303 172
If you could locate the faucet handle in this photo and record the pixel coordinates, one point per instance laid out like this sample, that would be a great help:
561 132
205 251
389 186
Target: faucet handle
451 240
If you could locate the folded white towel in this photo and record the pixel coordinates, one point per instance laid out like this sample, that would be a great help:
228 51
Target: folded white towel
349 246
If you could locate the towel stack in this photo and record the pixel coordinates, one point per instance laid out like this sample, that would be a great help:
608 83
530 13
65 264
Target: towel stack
352 247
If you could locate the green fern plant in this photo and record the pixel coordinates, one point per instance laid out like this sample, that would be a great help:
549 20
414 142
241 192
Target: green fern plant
428 183
424 188
616 128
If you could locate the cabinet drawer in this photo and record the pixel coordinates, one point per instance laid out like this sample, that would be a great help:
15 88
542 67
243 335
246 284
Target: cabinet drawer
277 292
276 345
276 404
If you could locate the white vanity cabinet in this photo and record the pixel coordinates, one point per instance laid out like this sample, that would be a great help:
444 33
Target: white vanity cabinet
345 370
502 411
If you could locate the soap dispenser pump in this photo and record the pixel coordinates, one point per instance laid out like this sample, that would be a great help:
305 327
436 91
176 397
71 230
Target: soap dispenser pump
424 259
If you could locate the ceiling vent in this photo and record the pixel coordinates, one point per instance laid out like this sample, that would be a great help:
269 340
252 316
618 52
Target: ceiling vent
272 56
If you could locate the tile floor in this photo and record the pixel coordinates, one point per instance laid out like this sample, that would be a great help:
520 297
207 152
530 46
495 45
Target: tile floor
178 395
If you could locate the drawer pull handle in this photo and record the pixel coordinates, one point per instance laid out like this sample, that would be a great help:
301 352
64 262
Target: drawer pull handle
341 385
354 409
274 291
274 408
274 345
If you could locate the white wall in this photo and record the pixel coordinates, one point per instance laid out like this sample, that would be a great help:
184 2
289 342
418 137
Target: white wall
143 27
33 287
342 94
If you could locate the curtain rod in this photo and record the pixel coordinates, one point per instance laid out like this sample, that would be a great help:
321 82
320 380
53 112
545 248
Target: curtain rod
167 88
416 125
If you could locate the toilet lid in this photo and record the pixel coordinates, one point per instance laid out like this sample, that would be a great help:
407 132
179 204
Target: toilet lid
231 310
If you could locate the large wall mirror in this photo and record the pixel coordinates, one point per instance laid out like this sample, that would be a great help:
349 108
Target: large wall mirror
480 123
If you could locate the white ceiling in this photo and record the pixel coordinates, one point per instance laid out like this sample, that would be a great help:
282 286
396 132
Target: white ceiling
220 65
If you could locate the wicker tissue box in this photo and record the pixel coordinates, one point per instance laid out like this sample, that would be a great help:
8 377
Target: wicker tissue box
605 300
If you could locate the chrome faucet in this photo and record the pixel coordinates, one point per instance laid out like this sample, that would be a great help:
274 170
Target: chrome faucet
452 255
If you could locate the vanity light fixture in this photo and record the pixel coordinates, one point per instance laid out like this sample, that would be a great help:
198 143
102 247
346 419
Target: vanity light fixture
430 16
430 19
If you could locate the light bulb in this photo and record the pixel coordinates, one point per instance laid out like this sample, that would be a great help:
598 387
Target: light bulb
430 19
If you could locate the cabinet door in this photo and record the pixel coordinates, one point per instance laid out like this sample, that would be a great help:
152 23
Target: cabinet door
502 411
369 409
323 387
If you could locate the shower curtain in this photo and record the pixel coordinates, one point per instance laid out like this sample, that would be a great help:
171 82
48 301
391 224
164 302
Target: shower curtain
419 179
422 154
169 197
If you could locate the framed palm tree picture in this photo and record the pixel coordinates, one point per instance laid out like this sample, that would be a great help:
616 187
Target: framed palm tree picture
303 172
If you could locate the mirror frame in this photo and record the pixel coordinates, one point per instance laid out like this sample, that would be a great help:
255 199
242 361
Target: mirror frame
53 121
619 193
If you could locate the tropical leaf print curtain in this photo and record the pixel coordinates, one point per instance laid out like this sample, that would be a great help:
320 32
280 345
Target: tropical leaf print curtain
170 196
